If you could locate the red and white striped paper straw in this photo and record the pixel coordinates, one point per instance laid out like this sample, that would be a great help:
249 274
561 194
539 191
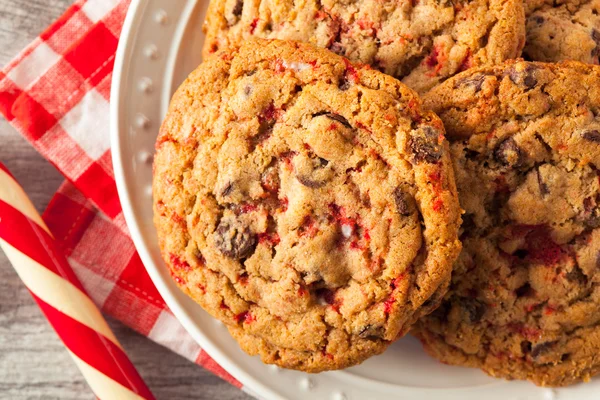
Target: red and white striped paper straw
42 267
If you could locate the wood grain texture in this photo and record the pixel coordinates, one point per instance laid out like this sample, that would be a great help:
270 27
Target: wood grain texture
33 362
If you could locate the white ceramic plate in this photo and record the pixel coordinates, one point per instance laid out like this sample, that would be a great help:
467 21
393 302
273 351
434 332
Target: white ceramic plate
160 44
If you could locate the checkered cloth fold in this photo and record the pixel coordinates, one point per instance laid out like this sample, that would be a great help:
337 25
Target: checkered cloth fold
56 94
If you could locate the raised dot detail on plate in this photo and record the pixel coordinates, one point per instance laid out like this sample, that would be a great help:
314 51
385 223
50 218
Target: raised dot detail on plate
161 17
307 383
141 121
145 85
145 157
148 190
218 323
274 368
151 51
338 396
549 394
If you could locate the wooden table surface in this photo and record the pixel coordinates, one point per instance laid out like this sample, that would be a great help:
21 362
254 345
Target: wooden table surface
33 362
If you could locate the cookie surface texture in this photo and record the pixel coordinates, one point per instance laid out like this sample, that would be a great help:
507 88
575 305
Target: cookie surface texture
563 30
307 203
525 296
420 42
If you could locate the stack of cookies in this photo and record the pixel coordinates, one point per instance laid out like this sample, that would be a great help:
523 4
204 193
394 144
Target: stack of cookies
306 195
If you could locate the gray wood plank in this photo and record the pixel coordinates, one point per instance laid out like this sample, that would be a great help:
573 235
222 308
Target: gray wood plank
33 362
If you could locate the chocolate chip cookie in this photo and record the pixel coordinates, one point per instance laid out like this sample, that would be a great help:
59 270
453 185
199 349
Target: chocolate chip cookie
420 42
524 302
563 30
306 202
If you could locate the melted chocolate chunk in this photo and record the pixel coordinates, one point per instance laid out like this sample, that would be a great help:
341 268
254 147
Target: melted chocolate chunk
538 19
508 153
473 308
236 13
596 38
371 332
591 135
576 275
404 202
238 8
314 179
306 181
335 117
344 84
227 190
523 77
475 82
541 348
234 239
424 145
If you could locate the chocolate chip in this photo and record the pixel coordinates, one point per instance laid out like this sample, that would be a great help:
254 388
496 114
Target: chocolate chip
344 84
541 348
404 201
236 13
508 153
473 308
309 175
596 38
525 347
227 190
235 239
591 135
335 117
371 332
543 187
475 82
237 9
538 19
424 145
310 183
576 275
524 77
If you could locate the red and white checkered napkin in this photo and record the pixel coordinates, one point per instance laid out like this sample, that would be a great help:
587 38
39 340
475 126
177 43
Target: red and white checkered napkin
56 93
